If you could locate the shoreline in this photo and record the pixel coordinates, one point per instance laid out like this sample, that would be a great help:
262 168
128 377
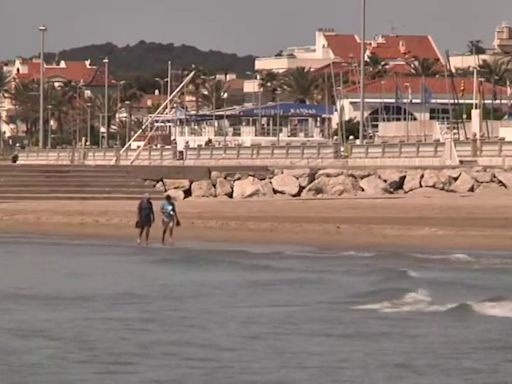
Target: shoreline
427 222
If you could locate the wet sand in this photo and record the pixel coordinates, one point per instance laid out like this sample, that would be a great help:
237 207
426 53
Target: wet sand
427 220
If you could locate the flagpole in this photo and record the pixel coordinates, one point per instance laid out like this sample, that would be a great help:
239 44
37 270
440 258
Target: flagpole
362 74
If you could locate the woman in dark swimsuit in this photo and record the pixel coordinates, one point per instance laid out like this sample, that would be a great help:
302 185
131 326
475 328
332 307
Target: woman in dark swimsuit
145 217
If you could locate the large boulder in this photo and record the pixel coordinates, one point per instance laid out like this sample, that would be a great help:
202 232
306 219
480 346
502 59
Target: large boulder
215 175
359 174
223 188
505 178
492 189
331 187
452 173
483 177
350 184
464 184
179 184
286 184
329 173
303 175
318 188
252 187
413 180
394 178
203 189
432 179
176 194
374 186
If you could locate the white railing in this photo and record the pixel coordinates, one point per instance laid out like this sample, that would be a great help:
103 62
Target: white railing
396 150
171 155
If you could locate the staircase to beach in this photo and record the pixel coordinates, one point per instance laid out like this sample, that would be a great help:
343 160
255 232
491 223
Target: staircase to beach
74 182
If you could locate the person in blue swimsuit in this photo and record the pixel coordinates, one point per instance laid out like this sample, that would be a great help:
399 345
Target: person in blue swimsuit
169 218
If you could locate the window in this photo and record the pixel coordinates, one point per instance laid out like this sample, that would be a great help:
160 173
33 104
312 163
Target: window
440 114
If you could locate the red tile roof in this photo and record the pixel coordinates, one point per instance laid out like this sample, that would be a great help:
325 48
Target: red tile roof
436 85
388 47
76 71
405 46
346 47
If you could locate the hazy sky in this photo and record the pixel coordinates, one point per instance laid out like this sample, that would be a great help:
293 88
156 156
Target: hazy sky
242 26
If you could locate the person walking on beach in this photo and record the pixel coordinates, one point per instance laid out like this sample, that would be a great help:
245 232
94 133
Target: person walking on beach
145 218
169 218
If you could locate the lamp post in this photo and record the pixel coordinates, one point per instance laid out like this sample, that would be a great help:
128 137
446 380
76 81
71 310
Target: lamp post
225 98
43 30
78 117
260 90
362 78
409 97
49 127
128 121
88 106
105 61
278 122
169 83
162 82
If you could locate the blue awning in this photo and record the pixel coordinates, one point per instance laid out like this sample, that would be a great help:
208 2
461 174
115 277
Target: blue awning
287 109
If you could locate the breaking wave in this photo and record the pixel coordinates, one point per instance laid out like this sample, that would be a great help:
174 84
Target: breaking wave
418 301
455 257
421 301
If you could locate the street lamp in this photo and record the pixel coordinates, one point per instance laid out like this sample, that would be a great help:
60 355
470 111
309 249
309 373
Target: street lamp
49 126
162 82
105 61
363 54
128 121
225 98
409 97
169 83
43 30
88 106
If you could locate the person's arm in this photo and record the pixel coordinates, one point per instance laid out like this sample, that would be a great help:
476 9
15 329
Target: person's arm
178 222
152 213
138 210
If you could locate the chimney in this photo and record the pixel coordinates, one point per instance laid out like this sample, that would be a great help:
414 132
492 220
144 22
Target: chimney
402 47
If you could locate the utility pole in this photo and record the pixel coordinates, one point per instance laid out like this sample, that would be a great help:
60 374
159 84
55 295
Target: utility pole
43 30
362 80
107 130
169 81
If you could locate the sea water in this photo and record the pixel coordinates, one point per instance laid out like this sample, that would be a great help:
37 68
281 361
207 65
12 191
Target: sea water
83 312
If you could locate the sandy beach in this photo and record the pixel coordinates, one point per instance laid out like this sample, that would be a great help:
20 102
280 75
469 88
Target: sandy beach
433 220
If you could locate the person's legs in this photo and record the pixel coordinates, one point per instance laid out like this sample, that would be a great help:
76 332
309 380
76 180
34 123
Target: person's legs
165 225
172 223
141 231
148 229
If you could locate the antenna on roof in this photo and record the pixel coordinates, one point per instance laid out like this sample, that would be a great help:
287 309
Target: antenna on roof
393 28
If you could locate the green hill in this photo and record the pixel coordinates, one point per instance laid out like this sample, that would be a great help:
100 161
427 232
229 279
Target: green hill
150 59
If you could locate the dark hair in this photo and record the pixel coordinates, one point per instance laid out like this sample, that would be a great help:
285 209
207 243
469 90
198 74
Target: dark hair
168 197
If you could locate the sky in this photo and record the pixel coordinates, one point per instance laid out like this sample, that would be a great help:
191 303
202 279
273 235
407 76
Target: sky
260 27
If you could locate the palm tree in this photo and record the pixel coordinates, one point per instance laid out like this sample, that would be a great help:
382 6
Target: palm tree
213 94
196 87
24 96
475 47
270 83
425 67
496 71
301 85
377 67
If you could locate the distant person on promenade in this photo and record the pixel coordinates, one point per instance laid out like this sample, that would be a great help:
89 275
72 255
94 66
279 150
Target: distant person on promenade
169 218
145 218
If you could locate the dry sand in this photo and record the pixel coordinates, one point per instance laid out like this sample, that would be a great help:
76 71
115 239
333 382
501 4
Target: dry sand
428 220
